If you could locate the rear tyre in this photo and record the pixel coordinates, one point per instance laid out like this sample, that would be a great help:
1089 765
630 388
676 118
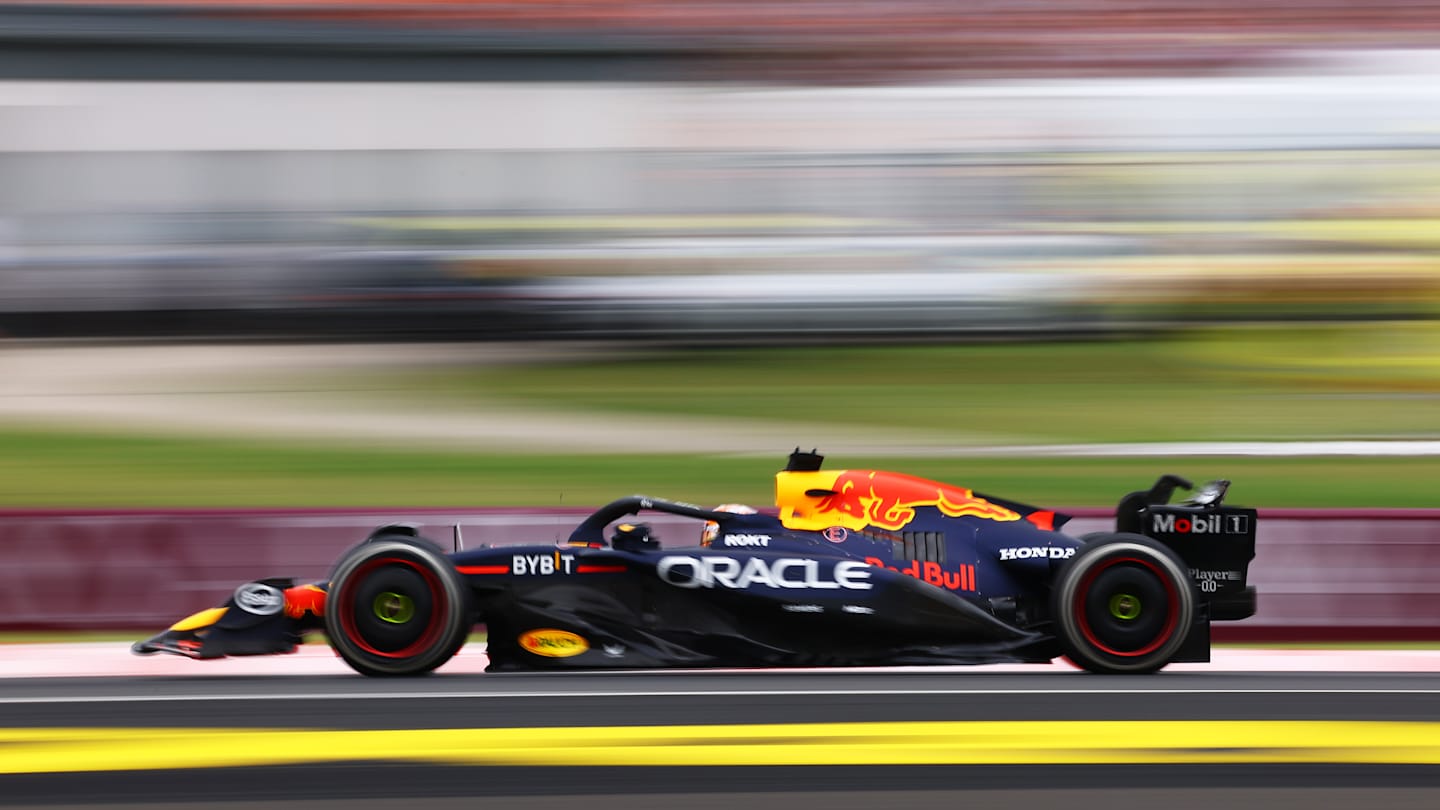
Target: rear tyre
1123 604
397 606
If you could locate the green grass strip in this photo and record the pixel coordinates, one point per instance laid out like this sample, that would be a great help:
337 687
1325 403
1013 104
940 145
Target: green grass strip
1350 382
73 470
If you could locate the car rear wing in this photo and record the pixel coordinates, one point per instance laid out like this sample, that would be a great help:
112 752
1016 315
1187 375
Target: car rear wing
1216 541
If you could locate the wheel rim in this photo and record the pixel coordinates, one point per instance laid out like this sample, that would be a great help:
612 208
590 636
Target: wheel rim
1125 606
1114 602
392 607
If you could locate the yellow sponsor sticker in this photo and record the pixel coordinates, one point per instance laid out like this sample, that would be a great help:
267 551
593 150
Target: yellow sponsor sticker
553 643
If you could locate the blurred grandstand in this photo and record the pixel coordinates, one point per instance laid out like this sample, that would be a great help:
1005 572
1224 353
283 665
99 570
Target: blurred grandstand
712 170
826 40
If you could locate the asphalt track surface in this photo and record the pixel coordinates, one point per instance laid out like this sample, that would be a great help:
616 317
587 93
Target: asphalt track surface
348 741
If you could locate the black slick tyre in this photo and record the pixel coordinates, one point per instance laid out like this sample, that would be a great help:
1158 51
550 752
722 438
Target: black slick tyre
1123 604
397 606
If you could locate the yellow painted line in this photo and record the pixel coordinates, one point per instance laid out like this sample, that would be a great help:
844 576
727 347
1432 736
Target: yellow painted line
55 750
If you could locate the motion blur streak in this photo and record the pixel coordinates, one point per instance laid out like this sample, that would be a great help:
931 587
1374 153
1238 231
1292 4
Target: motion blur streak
51 750
572 205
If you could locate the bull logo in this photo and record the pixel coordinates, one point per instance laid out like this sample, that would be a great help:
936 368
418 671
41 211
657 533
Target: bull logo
888 500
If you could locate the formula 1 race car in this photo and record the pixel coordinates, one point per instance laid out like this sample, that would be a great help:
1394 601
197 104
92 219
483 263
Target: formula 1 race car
858 568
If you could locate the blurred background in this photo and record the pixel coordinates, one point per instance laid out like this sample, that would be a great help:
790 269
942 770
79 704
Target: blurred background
713 171
478 232
273 272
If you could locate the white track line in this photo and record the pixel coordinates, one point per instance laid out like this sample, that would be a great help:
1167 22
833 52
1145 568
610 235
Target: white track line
726 693
115 660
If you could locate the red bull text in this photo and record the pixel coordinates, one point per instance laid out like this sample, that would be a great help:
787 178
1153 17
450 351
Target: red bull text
933 573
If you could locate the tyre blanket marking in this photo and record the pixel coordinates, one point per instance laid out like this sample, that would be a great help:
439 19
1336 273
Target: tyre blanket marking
64 750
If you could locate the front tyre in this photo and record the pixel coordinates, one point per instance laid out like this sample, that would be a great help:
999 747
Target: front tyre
1122 604
397 606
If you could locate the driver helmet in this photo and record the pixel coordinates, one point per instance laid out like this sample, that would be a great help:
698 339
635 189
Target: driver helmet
712 528
633 537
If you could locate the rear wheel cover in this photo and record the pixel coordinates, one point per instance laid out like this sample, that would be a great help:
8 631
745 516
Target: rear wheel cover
1123 605
397 608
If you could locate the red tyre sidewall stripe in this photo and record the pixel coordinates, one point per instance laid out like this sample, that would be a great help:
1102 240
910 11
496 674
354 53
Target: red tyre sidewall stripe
438 614
1173 606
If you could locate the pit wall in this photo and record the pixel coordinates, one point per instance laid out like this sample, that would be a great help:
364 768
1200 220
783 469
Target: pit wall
1322 575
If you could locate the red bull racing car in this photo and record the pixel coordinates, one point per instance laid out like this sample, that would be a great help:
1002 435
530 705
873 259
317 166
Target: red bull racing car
857 568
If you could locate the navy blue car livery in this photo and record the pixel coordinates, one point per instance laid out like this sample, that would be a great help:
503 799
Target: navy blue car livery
853 568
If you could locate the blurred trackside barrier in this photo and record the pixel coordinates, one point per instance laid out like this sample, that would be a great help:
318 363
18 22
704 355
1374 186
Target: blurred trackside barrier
829 16
811 40
1341 574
